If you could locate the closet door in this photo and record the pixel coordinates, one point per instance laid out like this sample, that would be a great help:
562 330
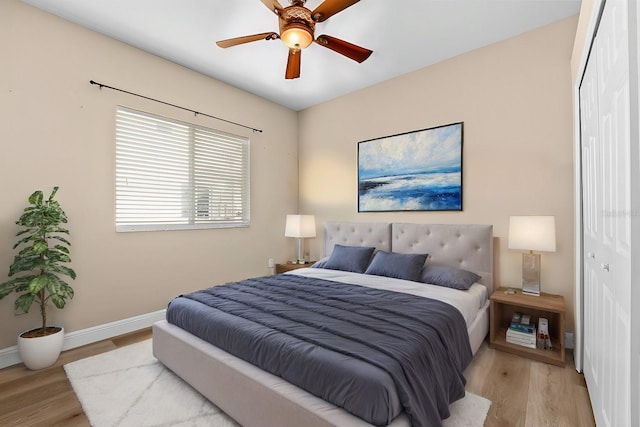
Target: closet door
607 219
592 207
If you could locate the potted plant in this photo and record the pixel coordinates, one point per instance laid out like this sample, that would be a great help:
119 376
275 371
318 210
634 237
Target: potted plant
38 268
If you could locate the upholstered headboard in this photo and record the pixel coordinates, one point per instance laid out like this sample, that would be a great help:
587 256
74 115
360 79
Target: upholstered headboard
375 234
466 246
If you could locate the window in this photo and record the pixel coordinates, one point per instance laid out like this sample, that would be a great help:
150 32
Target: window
172 175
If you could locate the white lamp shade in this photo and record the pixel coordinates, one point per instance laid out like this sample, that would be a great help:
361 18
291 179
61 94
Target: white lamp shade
532 233
300 226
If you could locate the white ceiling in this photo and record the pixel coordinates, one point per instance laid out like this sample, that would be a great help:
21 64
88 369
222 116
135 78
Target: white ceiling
405 35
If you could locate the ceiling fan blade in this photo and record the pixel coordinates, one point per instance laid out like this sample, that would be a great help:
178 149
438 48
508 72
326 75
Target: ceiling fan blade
273 6
328 8
247 39
357 53
293 64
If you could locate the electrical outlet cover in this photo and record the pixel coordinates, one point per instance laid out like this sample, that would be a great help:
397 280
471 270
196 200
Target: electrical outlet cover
568 340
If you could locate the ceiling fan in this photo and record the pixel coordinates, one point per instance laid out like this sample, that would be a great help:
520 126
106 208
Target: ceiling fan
297 27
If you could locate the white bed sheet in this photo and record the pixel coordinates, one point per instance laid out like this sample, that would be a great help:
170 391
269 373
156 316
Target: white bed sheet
467 302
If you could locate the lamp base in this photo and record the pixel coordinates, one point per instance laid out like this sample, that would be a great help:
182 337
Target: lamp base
299 252
531 289
531 274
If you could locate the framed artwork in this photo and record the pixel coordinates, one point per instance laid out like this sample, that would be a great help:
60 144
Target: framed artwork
413 171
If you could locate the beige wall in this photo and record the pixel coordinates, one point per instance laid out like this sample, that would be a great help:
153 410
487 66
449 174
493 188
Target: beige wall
514 98
57 129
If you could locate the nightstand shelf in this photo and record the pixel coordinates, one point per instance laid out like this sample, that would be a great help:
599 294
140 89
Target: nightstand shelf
283 268
549 306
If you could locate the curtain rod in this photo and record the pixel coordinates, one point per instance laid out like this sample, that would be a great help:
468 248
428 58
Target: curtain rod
101 85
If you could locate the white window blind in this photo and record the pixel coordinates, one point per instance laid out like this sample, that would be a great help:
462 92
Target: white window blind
173 175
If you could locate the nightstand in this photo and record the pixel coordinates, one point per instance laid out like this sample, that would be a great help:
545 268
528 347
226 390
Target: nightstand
283 268
549 306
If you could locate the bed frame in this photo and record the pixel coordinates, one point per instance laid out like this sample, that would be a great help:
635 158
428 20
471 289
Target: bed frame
254 397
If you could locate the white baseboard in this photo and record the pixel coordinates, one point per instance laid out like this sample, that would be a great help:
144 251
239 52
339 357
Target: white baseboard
9 356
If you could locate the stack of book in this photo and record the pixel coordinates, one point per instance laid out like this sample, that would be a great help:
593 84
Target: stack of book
521 331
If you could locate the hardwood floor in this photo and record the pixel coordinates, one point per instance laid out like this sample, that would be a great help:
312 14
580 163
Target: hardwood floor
45 397
523 392
528 393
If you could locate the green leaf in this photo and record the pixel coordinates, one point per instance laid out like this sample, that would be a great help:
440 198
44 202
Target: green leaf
53 193
58 301
23 302
59 291
25 240
62 248
12 285
56 256
40 246
56 292
62 239
26 251
24 285
59 230
38 283
36 198
26 263
63 270
67 290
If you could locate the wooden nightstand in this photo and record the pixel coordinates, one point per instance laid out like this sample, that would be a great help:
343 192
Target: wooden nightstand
283 268
548 306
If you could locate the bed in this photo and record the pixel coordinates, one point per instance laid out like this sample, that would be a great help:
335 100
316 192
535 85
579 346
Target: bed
255 397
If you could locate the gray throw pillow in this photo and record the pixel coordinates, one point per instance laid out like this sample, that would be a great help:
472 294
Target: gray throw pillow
449 277
397 265
349 258
320 263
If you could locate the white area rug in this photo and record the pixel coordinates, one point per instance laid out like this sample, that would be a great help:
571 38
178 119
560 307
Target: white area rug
129 387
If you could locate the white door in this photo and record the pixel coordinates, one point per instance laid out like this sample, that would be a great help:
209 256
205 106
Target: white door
605 106
592 228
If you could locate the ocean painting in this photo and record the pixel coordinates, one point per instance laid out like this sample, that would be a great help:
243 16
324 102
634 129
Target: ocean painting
414 171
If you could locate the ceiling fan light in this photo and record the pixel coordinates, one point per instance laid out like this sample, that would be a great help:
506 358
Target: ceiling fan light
296 36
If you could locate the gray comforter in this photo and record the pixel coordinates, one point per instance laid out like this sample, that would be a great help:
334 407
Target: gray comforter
374 353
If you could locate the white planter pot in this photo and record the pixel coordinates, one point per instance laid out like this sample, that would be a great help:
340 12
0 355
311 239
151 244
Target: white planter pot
40 352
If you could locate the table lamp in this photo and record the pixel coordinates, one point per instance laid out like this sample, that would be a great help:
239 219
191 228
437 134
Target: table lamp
300 227
532 233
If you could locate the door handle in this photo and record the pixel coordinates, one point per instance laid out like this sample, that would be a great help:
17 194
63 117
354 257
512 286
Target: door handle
605 267
591 255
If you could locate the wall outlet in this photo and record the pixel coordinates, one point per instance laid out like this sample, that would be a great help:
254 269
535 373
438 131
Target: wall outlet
271 263
568 339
